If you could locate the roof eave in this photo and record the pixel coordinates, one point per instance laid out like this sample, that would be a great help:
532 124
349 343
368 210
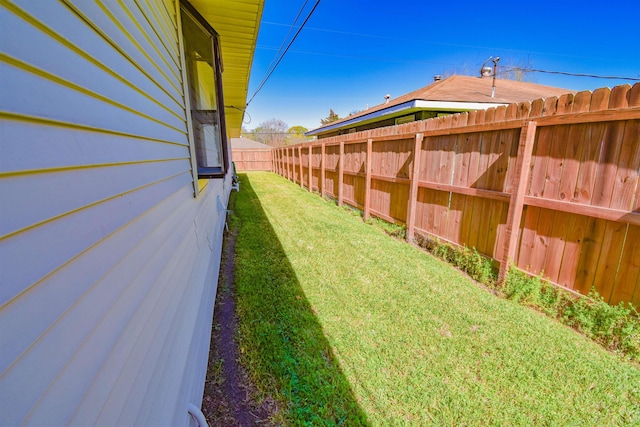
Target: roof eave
402 109
237 23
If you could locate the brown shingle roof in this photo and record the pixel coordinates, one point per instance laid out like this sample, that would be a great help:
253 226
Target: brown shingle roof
245 143
470 89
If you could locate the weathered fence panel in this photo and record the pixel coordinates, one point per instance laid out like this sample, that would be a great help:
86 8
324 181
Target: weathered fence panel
353 185
316 165
252 159
550 185
331 170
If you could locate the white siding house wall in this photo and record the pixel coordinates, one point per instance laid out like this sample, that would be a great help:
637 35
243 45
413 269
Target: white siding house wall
108 264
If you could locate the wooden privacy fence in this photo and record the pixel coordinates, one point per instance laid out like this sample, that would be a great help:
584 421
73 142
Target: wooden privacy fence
252 159
551 185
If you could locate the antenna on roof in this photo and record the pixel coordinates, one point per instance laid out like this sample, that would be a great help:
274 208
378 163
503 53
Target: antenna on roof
485 71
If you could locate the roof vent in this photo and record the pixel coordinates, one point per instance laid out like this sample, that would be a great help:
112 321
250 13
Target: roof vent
386 98
437 78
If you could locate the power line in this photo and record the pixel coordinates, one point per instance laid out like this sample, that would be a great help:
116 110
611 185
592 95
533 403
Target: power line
369 58
438 43
503 72
284 40
270 72
564 73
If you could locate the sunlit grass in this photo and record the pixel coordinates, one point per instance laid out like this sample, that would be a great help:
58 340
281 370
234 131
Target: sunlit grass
344 325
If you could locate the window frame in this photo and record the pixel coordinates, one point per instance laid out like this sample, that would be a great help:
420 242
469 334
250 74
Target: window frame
200 172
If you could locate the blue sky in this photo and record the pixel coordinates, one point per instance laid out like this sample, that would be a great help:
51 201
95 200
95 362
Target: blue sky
351 53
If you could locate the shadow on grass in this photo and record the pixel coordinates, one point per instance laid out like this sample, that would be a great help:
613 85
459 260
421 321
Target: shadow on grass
281 341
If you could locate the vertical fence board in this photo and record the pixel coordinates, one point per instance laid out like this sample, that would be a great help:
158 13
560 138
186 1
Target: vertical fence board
591 249
323 176
471 173
622 198
628 167
615 233
367 190
480 219
607 164
619 96
531 215
437 184
460 161
310 168
246 159
627 280
555 248
341 174
446 176
541 241
494 181
609 260
287 155
413 193
600 99
537 106
516 203
634 96
300 163
572 249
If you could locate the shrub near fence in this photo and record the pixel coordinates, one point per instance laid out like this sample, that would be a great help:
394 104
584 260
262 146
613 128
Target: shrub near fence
551 185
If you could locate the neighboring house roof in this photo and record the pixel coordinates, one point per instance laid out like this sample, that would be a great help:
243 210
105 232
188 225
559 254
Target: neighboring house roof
246 143
456 93
237 23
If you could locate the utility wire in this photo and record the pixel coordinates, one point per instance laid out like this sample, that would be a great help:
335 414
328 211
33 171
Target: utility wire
270 72
500 72
284 40
564 73
437 43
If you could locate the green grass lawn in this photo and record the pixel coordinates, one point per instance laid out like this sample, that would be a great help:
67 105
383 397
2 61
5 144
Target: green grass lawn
343 325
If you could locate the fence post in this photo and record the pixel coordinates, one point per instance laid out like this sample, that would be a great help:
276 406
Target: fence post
322 176
367 185
516 203
340 172
301 172
274 160
279 159
413 187
310 169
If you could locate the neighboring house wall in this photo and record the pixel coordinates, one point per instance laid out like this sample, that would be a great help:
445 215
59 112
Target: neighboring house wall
108 264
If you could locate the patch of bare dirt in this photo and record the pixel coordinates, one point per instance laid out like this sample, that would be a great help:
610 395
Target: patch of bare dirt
230 399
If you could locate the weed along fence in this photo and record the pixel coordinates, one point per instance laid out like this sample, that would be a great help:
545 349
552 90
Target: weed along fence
551 185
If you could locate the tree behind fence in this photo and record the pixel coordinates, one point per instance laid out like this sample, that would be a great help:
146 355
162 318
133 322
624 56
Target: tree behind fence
551 185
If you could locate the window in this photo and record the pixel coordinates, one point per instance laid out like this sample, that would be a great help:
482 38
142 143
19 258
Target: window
204 87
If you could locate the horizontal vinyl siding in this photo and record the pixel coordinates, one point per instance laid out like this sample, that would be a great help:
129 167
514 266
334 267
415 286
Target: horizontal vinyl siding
57 22
108 264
